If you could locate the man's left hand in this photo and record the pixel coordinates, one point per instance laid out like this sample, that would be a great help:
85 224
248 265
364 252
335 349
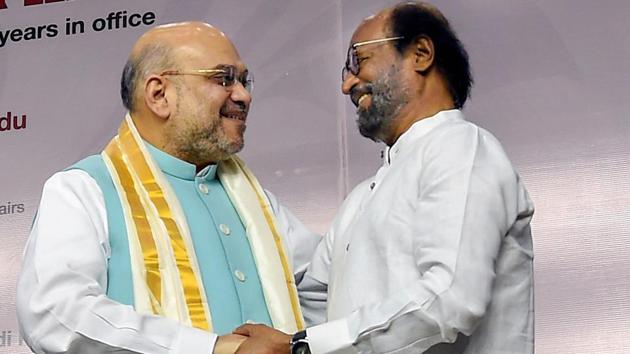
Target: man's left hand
263 340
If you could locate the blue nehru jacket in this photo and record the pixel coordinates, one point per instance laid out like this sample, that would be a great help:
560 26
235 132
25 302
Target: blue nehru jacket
228 270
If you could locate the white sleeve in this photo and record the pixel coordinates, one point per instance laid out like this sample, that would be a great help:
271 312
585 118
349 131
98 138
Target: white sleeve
61 300
302 244
468 191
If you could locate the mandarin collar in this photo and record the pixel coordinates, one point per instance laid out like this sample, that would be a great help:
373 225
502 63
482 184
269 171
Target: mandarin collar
417 130
179 168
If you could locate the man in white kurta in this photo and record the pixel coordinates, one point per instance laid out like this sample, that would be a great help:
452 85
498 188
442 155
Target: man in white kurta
432 254
418 255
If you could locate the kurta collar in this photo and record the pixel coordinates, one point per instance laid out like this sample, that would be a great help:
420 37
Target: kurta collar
418 130
179 168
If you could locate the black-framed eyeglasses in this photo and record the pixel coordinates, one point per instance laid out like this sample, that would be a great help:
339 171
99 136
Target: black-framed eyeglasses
352 58
225 76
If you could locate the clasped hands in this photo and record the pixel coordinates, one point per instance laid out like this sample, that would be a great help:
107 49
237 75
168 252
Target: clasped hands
254 339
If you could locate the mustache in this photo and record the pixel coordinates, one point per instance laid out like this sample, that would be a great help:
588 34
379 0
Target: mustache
359 90
234 108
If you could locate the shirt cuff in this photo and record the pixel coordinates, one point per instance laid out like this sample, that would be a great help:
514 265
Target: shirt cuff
330 337
193 340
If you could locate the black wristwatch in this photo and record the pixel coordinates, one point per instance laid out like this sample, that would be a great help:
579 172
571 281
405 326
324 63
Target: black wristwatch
299 343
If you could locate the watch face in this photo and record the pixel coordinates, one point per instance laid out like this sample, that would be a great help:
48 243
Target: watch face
301 348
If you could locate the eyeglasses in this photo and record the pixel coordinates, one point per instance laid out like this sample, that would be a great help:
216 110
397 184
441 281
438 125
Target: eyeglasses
225 76
353 60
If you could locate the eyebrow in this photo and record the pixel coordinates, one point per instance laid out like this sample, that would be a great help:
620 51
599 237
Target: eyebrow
226 66
223 66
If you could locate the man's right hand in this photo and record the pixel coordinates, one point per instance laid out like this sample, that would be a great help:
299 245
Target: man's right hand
228 344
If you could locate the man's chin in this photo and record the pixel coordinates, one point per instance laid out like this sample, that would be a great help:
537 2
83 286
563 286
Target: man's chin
234 147
237 149
369 127
370 133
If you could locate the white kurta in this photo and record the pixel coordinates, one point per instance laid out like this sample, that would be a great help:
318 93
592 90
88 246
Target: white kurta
61 299
436 244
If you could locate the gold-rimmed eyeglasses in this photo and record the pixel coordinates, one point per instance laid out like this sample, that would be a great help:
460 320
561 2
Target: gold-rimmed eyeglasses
225 76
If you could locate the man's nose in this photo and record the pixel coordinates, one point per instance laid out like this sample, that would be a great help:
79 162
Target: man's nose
349 81
240 93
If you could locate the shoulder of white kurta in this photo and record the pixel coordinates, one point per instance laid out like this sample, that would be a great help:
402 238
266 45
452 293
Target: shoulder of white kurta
453 133
73 180
496 156
79 191
463 136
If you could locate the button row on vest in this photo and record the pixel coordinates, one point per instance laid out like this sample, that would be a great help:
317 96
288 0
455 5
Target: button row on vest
239 275
203 188
225 229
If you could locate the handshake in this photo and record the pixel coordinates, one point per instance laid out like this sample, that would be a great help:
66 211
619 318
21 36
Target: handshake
257 339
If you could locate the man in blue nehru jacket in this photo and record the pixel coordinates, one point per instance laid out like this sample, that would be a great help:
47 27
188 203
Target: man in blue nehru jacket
165 242
433 254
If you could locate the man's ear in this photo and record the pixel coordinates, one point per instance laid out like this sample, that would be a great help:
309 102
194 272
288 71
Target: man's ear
155 96
423 54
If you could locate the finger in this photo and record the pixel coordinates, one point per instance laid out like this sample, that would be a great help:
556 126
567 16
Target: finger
244 329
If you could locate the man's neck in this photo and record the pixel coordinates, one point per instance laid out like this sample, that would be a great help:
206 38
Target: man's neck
415 112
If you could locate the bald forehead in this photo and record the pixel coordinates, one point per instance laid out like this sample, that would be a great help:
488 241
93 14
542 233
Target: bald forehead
195 42
372 27
180 33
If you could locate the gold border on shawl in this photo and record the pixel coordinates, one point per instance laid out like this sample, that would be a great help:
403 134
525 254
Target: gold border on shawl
143 229
288 275
171 281
188 279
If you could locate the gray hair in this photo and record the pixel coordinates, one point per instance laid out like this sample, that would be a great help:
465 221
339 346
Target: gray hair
154 58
